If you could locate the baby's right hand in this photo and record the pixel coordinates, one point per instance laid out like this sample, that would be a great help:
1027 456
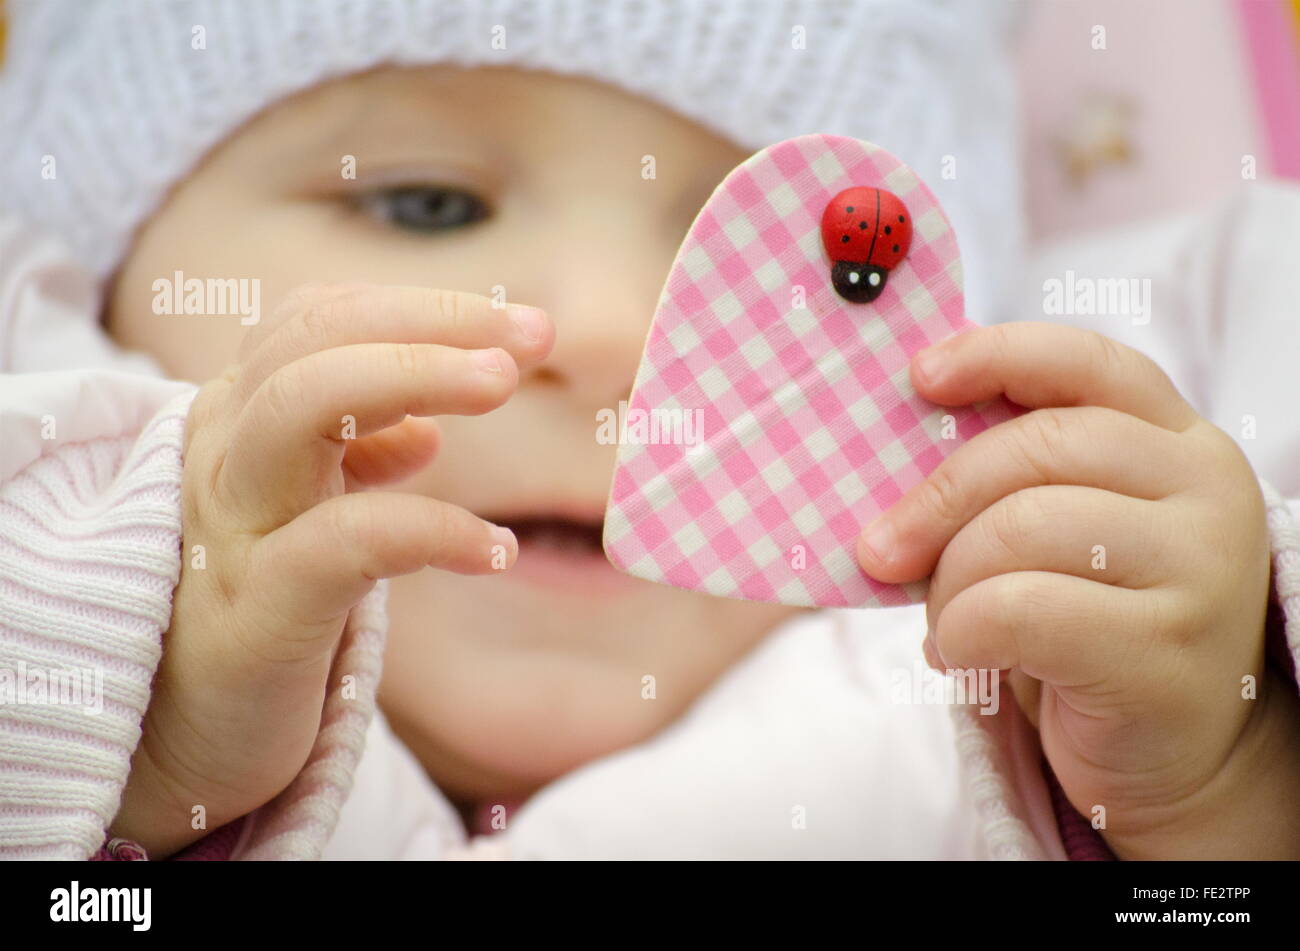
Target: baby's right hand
287 550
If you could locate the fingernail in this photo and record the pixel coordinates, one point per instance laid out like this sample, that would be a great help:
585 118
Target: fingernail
504 537
530 320
488 360
928 365
878 539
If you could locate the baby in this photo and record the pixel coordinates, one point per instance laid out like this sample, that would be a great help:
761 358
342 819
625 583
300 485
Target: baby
473 237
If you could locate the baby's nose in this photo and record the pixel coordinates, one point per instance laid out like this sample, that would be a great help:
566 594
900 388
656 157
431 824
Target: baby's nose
601 302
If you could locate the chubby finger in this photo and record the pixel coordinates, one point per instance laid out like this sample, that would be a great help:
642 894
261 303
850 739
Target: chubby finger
322 563
288 443
317 317
1072 446
391 453
1066 631
1067 529
1042 364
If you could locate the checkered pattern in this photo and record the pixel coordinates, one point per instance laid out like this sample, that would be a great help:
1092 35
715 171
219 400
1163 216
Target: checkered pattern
810 425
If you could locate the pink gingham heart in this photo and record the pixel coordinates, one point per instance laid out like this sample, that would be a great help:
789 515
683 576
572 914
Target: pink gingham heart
808 426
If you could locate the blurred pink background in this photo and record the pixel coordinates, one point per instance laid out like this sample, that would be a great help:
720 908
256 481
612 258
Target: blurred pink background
1175 90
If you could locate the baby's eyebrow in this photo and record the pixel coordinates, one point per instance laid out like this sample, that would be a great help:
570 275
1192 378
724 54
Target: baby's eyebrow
419 130
418 112
397 145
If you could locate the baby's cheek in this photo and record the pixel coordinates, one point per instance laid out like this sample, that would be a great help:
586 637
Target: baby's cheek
148 311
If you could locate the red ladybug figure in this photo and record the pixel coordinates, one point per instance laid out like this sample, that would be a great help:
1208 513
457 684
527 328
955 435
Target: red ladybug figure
866 232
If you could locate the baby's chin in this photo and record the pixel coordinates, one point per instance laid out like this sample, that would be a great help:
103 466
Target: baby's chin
499 686
500 735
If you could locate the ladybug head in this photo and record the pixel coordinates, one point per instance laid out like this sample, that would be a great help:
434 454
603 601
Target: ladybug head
866 232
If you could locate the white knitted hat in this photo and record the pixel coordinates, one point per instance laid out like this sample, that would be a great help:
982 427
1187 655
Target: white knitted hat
117 94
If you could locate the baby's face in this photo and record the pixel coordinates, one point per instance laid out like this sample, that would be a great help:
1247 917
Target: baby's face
470 180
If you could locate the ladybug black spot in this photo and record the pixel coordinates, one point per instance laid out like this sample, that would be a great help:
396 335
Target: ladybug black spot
844 240
895 249
862 226
900 219
849 209
888 229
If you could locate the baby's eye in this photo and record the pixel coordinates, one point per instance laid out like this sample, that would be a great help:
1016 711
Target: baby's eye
425 208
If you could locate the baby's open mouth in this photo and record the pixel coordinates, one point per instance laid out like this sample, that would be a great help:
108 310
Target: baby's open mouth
565 536
560 550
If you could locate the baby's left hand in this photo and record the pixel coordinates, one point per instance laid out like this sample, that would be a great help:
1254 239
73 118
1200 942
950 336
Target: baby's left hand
1109 551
